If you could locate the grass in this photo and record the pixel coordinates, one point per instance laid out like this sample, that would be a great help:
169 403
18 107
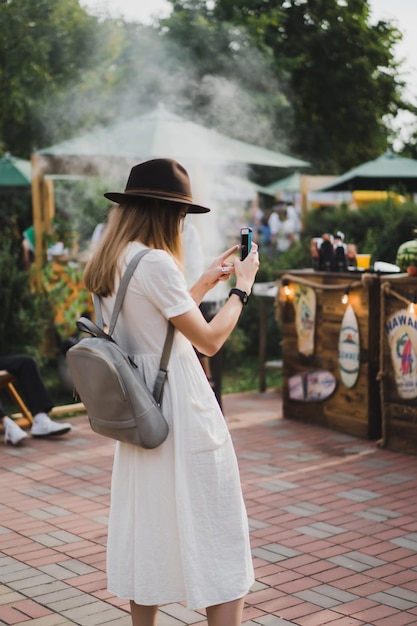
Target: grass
245 377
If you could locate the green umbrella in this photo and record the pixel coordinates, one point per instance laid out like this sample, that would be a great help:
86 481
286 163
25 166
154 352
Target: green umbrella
386 172
14 173
289 184
163 134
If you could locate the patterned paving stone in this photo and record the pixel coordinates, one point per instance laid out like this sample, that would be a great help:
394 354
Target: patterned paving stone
333 524
378 515
395 479
407 541
304 509
359 495
320 530
318 599
342 478
277 485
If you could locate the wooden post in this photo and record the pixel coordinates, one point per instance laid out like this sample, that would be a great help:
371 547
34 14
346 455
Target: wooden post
304 194
262 344
37 213
43 210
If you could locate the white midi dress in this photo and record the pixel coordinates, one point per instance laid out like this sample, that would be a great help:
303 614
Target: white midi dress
178 528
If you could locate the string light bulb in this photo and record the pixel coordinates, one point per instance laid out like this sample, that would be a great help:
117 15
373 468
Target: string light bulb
286 288
412 306
345 297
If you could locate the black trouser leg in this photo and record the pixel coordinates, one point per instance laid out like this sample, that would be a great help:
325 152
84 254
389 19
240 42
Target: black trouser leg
29 381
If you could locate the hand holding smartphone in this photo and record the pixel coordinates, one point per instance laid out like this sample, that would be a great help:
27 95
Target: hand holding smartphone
245 242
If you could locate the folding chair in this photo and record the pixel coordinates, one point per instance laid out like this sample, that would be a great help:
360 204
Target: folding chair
7 381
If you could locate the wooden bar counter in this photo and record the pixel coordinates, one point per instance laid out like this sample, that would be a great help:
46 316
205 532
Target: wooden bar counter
355 410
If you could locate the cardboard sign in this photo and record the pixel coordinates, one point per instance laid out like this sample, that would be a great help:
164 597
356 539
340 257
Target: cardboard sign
349 348
312 386
305 318
401 329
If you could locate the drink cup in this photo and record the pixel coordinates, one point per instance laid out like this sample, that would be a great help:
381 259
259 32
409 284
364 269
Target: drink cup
363 261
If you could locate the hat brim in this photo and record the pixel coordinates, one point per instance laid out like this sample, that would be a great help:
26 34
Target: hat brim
120 198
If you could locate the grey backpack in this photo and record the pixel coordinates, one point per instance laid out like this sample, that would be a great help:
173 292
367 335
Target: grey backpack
118 402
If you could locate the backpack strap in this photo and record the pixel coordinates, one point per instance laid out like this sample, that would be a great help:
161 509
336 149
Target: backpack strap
85 325
120 293
97 310
163 366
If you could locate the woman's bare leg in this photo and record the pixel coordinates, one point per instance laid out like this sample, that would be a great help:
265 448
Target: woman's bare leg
143 615
226 614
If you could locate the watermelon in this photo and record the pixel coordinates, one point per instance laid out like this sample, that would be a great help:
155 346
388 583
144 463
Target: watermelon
407 255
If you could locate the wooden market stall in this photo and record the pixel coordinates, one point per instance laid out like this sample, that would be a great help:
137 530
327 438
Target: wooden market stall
331 362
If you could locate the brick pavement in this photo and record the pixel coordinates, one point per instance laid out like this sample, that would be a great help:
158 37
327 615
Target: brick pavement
333 525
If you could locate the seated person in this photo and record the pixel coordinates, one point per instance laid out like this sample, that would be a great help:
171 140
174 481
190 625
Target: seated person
29 381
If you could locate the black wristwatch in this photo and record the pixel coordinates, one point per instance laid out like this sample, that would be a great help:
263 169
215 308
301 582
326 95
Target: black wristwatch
242 295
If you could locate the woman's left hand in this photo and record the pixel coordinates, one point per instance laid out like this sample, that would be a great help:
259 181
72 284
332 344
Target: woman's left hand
220 269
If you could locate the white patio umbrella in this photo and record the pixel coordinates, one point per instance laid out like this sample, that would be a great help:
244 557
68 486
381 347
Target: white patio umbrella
161 133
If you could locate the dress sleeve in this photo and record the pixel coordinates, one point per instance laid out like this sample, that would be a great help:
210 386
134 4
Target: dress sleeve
164 284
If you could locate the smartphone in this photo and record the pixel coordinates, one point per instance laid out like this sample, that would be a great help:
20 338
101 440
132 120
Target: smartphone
245 242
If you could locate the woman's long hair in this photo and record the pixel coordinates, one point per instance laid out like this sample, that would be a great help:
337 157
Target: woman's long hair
155 223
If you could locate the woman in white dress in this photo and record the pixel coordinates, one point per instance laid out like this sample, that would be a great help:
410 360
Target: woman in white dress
178 527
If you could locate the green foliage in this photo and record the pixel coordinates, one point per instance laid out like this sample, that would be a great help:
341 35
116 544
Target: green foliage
235 345
83 205
296 257
331 83
24 315
235 87
43 46
325 59
244 341
16 208
379 228
242 375
67 296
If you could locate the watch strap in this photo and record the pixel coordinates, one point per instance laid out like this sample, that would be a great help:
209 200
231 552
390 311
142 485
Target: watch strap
242 295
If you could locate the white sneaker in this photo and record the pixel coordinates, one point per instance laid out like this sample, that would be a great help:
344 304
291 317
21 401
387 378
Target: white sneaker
12 432
43 426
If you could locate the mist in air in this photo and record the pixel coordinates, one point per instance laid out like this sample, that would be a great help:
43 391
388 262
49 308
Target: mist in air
152 70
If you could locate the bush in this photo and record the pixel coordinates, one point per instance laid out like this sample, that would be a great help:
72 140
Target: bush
24 314
379 228
83 205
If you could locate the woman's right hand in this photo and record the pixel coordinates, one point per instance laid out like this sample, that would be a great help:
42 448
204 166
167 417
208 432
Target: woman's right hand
246 270
208 337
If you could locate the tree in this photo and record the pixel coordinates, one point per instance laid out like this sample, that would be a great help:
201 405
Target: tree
43 46
235 88
341 64
327 61
409 148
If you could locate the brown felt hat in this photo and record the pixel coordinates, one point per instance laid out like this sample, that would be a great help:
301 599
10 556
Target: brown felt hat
164 179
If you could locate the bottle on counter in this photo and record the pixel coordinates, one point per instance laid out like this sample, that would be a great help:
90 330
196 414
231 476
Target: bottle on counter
315 245
326 253
340 252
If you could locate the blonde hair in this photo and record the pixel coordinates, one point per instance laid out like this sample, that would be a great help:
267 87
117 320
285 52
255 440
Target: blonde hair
155 223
